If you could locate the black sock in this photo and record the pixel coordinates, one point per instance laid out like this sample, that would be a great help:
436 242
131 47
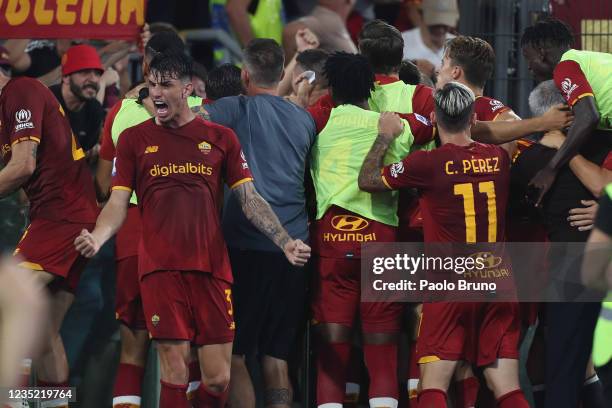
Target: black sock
539 395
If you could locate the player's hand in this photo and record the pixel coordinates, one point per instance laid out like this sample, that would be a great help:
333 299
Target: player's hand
583 217
297 252
390 125
304 90
540 184
86 244
306 40
553 139
558 117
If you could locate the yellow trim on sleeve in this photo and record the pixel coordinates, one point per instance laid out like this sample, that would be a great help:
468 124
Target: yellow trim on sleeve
24 138
582 96
123 188
31 265
239 182
384 180
428 359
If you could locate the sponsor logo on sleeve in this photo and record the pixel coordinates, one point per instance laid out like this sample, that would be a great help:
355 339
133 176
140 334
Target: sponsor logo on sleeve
568 88
24 120
245 165
495 105
397 169
422 119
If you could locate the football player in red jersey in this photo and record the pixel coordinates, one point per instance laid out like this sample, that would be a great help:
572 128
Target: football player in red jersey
177 164
447 184
42 156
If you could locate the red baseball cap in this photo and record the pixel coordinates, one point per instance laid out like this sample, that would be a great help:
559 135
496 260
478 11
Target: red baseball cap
80 57
4 56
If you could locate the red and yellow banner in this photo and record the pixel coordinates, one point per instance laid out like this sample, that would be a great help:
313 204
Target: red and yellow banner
100 19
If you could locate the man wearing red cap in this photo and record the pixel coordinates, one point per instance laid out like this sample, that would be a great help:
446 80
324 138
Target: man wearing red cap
43 157
81 72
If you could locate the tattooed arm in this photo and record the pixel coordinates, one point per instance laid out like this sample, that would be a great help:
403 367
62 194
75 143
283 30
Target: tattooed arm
201 112
259 212
389 127
19 168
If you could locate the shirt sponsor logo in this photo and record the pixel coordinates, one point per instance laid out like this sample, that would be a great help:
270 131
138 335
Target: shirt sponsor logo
205 147
348 225
491 268
23 118
568 87
495 105
185 168
397 169
151 149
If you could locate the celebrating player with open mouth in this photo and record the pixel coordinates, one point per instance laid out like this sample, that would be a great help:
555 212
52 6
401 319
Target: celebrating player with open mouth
176 164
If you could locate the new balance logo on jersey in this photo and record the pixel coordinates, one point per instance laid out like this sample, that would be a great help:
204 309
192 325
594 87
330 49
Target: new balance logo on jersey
151 149
5 149
568 87
23 118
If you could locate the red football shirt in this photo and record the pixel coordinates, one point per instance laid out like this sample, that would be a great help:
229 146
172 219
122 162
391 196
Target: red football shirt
571 81
107 146
463 190
488 109
178 174
61 188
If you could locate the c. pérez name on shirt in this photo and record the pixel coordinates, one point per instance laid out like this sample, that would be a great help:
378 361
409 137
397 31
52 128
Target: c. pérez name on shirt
487 165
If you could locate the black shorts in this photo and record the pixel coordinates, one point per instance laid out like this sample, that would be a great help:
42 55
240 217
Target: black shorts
269 301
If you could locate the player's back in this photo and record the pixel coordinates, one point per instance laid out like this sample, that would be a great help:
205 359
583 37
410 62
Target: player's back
465 198
61 187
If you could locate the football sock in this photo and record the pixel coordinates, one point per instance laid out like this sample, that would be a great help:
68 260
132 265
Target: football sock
592 393
195 376
466 392
332 363
206 398
432 398
381 361
128 384
55 403
173 396
513 399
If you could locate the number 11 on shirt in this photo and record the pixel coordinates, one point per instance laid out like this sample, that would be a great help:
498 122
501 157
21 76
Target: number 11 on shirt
466 190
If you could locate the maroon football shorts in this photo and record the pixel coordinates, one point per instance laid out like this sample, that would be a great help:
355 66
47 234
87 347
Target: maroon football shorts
49 246
476 332
188 305
337 298
128 302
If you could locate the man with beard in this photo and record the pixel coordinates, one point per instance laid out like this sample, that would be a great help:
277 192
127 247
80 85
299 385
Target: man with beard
81 72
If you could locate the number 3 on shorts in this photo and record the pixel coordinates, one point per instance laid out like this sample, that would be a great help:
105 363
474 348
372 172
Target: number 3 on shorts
228 297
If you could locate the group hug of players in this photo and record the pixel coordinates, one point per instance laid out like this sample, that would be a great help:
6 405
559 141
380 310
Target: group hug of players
167 185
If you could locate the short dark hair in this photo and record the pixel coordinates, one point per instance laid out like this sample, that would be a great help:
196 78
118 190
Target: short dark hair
314 60
474 55
409 73
264 60
174 65
164 42
454 106
383 45
223 81
548 31
350 77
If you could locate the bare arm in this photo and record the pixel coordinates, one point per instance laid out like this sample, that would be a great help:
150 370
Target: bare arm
594 177
103 179
260 214
237 12
509 147
596 260
498 132
109 221
389 127
19 168
289 33
201 112
304 40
